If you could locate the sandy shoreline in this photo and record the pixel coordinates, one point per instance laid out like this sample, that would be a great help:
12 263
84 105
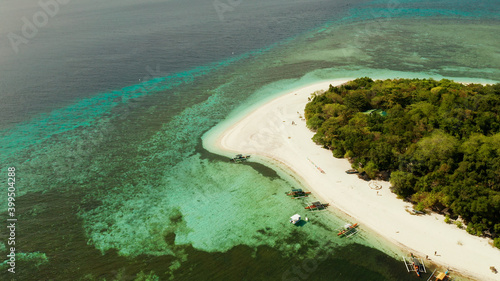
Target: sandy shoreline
276 132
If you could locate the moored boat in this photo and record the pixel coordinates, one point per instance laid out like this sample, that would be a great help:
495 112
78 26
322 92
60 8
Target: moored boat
347 230
240 158
298 193
440 276
415 264
295 219
317 206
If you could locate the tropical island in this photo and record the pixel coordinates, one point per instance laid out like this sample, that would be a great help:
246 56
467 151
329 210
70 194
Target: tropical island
437 141
277 134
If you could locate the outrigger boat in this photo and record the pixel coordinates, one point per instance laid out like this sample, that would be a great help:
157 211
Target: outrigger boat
240 158
317 206
298 193
352 171
348 230
414 264
440 276
295 219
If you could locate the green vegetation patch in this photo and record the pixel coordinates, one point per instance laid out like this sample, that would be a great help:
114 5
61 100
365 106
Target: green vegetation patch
438 141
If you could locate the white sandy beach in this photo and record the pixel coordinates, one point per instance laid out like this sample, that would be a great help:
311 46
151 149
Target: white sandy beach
268 133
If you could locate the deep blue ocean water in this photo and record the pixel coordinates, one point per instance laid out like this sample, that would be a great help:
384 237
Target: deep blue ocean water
103 106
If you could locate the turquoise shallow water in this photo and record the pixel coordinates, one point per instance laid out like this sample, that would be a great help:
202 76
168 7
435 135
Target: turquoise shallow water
118 183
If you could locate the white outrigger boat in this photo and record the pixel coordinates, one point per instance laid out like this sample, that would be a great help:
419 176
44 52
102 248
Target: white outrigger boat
295 219
415 264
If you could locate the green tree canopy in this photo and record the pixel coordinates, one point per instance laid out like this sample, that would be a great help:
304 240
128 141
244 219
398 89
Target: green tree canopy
439 140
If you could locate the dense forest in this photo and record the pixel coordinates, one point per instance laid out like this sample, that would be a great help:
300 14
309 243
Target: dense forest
437 141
